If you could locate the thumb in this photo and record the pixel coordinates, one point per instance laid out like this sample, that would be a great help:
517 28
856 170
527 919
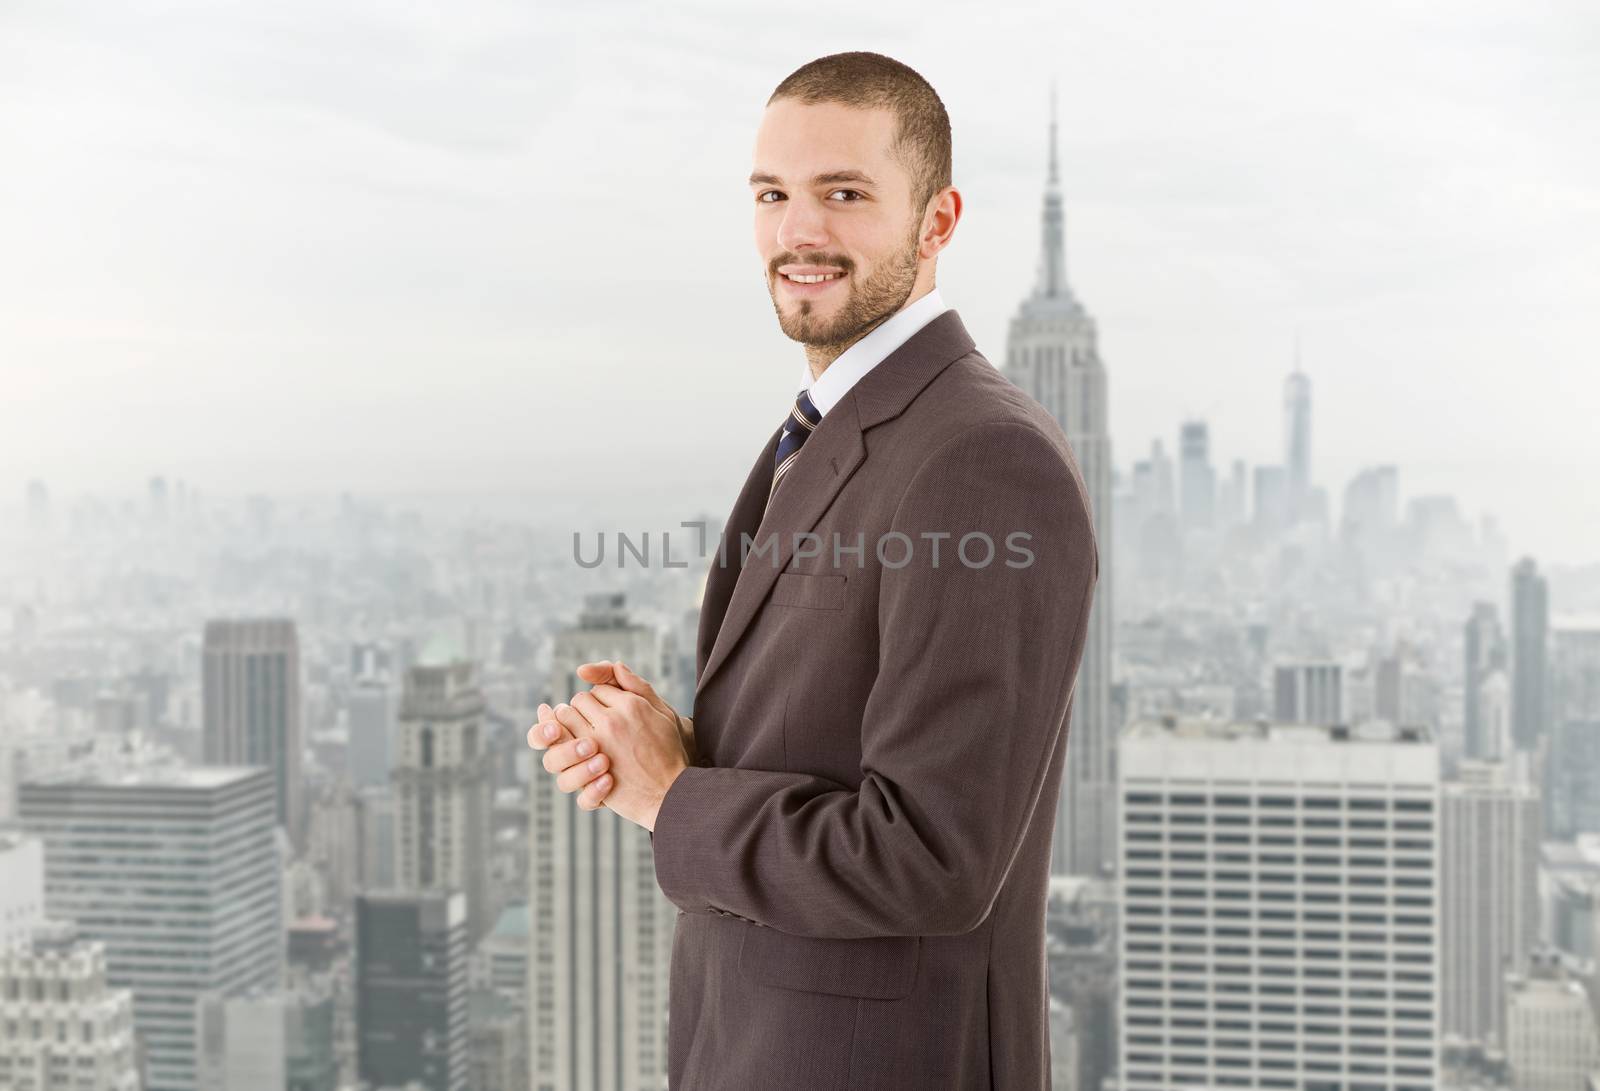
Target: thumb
632 682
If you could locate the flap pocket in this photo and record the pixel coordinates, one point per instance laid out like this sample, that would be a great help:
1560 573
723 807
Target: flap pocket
815 592
876 967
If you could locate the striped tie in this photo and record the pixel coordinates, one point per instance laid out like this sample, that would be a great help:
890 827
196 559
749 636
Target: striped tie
803 419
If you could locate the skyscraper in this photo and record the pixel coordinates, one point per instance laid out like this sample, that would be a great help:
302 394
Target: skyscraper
60 1025
411 989
1489 868
1530 626
1485 651
600 928
176 870
1271 512
1552 1040
250 683
1573 783
372 729
442 785
1297 440
1052 353
1280 906
268 1040
1308 693
1199 492
1371 507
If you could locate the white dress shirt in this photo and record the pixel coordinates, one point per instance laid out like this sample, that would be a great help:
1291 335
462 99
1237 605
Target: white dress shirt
870 351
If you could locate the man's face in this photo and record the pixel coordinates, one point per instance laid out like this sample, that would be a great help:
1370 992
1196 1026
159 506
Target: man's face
831 199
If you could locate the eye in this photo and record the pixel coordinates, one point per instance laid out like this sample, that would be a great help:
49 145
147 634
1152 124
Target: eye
857 192
761 198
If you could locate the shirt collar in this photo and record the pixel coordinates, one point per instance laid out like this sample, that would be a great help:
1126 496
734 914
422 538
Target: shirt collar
870 351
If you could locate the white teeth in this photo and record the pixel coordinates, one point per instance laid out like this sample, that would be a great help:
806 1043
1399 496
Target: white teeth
816 278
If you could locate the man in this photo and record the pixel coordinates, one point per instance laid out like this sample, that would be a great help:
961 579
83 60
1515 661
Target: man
856 823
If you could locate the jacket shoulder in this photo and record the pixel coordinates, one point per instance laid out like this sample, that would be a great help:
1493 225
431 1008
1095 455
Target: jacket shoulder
971 393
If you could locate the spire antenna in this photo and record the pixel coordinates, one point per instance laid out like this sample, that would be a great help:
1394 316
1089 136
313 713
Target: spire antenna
1051 282
1055 176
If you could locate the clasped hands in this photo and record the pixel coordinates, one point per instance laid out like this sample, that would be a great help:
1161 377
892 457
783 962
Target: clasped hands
618 745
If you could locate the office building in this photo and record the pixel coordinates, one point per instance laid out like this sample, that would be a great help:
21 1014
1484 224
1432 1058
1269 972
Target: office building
63 1027
411 989
442 785
601 930
1489 867
177 871
1280 907
250 686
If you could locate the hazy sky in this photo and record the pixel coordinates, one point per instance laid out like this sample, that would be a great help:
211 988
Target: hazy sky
298 245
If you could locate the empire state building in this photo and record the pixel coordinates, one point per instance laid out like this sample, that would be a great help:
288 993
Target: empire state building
1051 353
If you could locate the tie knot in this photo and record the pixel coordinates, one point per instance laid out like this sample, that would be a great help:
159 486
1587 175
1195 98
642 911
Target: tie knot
805 412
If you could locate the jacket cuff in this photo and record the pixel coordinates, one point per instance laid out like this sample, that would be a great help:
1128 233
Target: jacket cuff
676 853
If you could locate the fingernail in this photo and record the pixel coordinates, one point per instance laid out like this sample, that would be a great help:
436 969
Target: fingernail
596 763
549 731
603 782
585 748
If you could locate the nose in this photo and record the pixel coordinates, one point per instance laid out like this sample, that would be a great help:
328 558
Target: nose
803 225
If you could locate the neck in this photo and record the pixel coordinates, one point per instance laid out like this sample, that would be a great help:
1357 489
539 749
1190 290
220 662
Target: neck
820 356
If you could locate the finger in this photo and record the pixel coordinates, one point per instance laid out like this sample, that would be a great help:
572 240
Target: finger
565 755
599 671
607 695
593 795
592 709
574 721
547 731
570 780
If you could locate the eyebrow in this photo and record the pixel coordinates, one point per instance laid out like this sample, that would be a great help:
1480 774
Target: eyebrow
762 178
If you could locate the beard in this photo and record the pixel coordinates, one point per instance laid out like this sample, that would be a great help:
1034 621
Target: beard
866 304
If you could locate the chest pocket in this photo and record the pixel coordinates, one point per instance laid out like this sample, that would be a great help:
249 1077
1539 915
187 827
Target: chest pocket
822 591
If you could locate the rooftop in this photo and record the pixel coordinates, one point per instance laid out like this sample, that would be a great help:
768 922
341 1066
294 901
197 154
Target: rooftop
147 776
1200 729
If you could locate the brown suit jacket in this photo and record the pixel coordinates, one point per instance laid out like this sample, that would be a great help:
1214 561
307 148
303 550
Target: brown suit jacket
860 859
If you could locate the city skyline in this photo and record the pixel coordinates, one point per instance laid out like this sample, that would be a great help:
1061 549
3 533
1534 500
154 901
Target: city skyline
370 253
330 358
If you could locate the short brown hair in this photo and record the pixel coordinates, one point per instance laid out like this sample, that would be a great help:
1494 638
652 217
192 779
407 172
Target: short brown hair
872 81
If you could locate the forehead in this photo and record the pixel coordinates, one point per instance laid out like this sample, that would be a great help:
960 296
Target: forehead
797 139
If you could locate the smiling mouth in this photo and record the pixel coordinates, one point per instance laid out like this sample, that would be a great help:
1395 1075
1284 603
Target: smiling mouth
816 278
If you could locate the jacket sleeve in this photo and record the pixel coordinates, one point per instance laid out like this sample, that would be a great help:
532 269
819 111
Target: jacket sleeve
976 668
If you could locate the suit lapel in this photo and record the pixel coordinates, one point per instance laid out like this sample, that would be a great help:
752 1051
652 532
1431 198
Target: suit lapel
828 459
825 463
744 519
